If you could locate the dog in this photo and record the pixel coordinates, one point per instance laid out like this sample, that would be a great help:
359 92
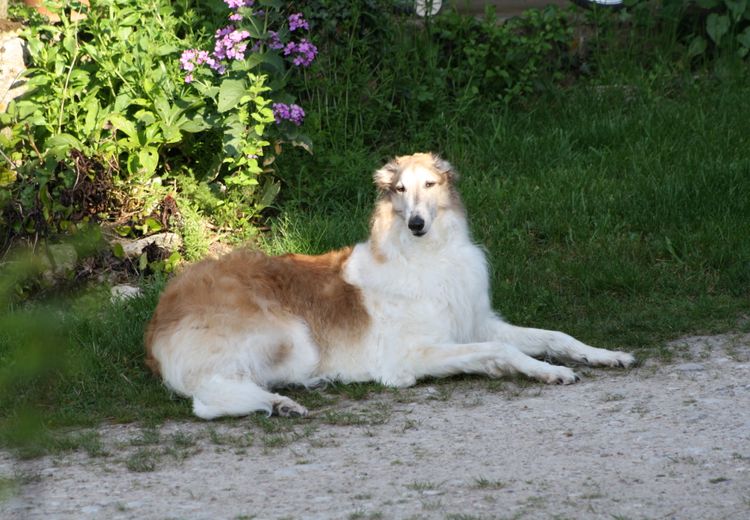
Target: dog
411 302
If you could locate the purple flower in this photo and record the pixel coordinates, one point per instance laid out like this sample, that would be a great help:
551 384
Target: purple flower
274 42
284 112
235 17
297 22
189 78
303 52
236 4
230 43
187 60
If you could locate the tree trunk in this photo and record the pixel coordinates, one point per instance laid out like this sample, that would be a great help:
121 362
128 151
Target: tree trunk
3 9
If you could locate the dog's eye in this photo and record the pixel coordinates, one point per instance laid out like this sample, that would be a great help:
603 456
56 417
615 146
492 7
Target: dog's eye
400 188
429 184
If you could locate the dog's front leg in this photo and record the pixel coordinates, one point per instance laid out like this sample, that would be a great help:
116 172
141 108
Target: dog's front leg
491 358
550 343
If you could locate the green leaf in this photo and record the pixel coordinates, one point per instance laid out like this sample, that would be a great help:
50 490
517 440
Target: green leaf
69 43
148 159
233 133
250 63
744 38
717 26
25 108
275 61
118 250
708 4
276 4
145 117
143 262
163 109
697 46
254 32
171 133
59 145
230 93
166 49
737 8
172 261
124 125
269 191
123 231
92 115
131 19
152 225
122 102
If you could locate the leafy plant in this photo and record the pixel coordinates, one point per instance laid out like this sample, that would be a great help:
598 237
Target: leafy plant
727 27
101 107
110 129
706 27
504 61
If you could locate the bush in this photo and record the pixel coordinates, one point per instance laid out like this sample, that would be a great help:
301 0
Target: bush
111 130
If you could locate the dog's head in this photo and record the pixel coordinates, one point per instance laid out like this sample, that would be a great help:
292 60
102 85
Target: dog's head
419 187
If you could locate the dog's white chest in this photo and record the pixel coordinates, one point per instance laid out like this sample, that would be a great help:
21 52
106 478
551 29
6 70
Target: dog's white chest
433 298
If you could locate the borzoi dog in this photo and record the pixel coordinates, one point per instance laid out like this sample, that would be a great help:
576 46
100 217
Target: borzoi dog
411 302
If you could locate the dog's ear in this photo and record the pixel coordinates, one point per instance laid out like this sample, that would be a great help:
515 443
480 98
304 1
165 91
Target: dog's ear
445 168
385 176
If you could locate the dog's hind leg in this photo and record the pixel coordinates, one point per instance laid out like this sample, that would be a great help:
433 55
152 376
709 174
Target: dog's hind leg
219 396
558 345
491 358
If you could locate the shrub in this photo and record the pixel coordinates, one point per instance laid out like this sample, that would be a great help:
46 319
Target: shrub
111 130
703 28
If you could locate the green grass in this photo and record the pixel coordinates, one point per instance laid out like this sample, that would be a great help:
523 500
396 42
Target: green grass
617 210
619 215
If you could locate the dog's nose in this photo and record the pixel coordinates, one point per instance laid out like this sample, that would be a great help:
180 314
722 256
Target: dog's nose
416 223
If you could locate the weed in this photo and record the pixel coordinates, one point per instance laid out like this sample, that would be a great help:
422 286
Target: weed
243 440
148 437
484 483
431 505
143 460
377 413
363 515
410 424
9 486
422 486
182 440
356 391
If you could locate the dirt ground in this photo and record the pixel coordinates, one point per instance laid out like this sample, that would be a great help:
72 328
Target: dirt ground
665 440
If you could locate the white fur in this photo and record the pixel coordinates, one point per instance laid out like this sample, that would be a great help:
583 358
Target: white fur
430 315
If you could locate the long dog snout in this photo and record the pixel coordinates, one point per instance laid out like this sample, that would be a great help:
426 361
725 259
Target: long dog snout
416 225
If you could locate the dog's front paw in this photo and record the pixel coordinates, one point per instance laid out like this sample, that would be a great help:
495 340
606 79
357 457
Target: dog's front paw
285 407
609 358
557 375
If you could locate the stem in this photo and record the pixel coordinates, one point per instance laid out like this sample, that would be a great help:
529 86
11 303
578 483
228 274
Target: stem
65 87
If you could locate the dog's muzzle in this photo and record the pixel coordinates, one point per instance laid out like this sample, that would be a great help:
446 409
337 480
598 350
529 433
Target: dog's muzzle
416 225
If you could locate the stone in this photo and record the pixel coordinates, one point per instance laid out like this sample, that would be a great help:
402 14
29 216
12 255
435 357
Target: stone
134 248
124 292
12 67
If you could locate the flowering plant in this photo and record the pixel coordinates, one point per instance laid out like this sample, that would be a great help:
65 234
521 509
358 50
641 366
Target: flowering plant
252 60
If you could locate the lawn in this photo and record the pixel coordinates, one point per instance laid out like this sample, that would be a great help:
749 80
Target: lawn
616 209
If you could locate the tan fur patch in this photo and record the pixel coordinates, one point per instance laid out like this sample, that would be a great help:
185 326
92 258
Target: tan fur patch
246 285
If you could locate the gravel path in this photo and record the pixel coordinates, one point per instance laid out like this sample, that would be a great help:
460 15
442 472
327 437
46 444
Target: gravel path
661 441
